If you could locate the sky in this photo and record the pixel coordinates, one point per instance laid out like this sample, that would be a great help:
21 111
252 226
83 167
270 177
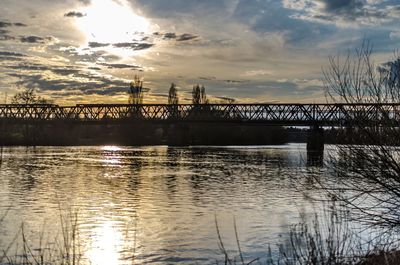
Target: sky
87 51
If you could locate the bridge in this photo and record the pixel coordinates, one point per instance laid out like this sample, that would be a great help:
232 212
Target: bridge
267 114
316 116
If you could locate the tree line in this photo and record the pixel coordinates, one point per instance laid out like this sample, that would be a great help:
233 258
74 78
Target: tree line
199 95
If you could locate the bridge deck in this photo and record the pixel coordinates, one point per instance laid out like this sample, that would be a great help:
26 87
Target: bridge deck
273 114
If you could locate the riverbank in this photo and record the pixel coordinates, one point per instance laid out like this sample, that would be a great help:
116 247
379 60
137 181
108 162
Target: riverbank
139 134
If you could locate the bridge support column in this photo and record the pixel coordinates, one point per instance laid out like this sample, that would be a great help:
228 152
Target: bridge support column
315 146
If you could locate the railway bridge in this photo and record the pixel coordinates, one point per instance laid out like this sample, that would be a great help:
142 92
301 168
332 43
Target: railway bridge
315 116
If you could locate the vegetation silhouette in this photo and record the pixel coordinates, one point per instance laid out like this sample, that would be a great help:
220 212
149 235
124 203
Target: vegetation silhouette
369 172
199 95
29 96
173 98
136 91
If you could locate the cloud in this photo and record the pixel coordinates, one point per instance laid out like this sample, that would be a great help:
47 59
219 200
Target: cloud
4 36
260 72
186 37
18 24
35 39
14 54
174 36
133 45
94 44
207 78
74 14
86 55
121 66
4 24
66 79
65 71
168 36
346 13
85 2
230 81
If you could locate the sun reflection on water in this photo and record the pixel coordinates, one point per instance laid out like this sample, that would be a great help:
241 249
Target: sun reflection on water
111 148
105 243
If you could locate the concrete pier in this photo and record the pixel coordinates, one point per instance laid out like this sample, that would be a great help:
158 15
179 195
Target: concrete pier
315 146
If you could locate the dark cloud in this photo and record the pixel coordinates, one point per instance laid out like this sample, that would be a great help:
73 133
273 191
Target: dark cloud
67 80
133 45
29 67
174 36
90 56
169 35
65 71
229 81
10 58
4 24
18 24
14 54
207 78
94 44
5 36
186 37
345 12
121 66
74 14
40 68
85 2
94 68
93 86
35 39
334 5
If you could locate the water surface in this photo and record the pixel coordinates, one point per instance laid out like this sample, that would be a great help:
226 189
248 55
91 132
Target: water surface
155 204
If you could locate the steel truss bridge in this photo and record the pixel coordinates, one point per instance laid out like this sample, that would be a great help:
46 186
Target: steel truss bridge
266 114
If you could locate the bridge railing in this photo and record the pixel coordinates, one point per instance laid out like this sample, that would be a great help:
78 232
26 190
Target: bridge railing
279 114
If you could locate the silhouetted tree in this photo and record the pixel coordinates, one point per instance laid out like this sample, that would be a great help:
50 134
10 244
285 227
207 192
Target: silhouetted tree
173 95
136 91
199 95
368 175
28 96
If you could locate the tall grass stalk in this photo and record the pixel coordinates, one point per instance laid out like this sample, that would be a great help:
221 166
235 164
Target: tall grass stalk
329 239
63 248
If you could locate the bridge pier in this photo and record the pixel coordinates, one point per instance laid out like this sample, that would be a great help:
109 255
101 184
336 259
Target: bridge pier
315 146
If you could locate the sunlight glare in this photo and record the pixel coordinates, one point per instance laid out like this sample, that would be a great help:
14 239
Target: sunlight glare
107 21
111 148
104 248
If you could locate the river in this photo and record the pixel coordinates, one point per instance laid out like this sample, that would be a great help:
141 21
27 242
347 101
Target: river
134 205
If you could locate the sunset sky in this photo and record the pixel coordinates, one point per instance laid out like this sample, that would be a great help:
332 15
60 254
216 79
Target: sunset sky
86 51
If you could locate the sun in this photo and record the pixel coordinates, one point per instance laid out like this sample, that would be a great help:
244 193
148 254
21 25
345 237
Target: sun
108 22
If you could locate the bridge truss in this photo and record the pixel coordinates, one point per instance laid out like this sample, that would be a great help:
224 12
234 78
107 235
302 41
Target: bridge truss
268 114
